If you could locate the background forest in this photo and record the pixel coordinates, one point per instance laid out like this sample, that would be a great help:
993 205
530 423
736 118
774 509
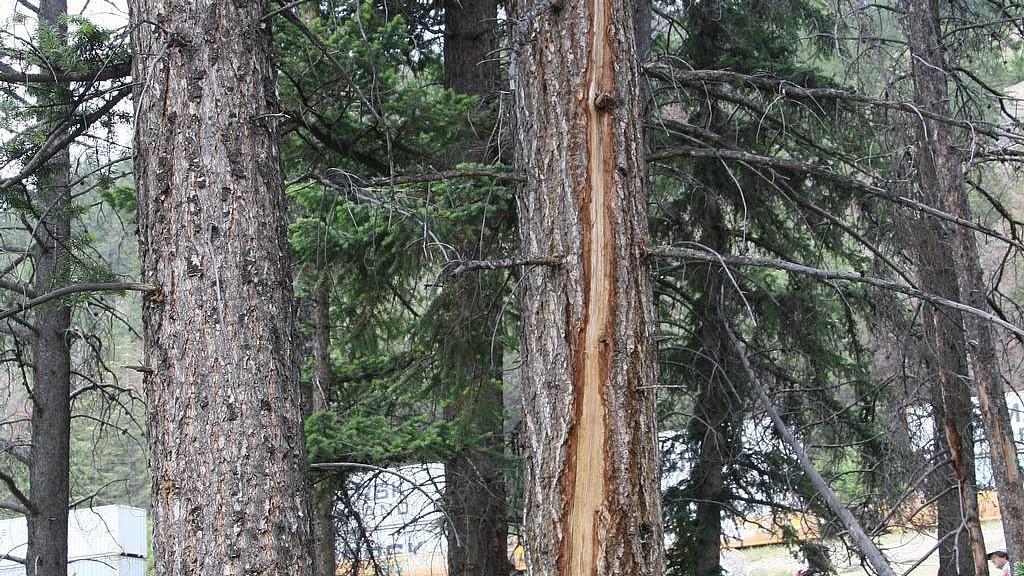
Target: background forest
835 239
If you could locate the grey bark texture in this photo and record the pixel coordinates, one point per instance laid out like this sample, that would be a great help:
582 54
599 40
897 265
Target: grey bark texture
49 454
227 451
591 473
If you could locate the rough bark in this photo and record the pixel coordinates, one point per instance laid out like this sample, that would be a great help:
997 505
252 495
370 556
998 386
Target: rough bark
955 556
227 454
49 454
474 476
947 359
591 470
941 181
470 46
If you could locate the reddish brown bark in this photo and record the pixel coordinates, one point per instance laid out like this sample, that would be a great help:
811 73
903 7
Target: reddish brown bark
952 255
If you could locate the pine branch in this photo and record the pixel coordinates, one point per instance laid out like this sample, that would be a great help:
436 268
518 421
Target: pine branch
75 289
788 89
62 137
693 255
115 71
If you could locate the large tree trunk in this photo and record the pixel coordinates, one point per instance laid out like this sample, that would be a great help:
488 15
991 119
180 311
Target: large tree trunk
226 446
940 178
49 455
474 477
592 496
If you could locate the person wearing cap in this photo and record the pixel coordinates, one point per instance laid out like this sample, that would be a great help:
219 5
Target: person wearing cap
1001 559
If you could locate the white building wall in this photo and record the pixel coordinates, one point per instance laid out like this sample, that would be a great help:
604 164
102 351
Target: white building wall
102 541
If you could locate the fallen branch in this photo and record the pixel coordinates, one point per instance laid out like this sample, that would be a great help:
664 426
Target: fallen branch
856 531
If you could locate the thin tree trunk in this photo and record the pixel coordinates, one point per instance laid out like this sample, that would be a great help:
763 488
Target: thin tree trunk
474 477
713 429
49 455
591 482
323 494
227 454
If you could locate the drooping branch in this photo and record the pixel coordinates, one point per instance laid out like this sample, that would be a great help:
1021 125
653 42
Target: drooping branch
60 139
789 89
695 255
828 174
16 451
113 71
496 174
23 505
457 267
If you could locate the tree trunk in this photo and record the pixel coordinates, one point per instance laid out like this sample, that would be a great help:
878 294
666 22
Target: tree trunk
471 67
49 454
941 180
323 494
941 168
955 556
475 491
947 359
227 454
474 477
592 496
470 46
